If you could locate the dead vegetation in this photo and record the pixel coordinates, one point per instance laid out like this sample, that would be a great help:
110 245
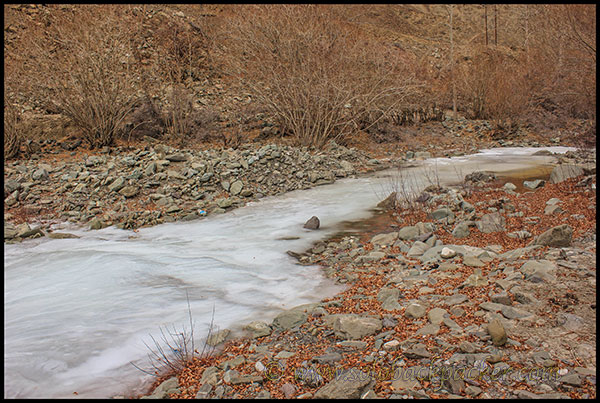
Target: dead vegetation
317 72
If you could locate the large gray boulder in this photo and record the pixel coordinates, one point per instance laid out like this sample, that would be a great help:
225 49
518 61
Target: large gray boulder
289 319
354 327
313 223
559 236
564 172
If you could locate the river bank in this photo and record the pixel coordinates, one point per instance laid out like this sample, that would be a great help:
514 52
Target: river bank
478 280
150 184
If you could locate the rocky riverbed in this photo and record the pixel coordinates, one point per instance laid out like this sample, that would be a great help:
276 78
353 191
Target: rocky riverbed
157 184
484 290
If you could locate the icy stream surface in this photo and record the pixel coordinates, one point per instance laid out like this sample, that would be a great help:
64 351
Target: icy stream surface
78 311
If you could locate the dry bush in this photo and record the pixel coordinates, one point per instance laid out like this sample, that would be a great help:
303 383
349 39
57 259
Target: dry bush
315 75
84 66
561 59
13 136
493 86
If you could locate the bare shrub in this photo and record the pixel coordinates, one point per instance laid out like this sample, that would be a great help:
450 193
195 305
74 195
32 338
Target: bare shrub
85 66
494 87
176 347
314 74
13 136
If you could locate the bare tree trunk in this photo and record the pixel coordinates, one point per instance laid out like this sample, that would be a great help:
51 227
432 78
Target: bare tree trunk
495 25
485 23
452 63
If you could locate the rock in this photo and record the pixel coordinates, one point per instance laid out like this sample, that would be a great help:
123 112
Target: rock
509 186
129 191
564 172
422 155
288 389
461 230
117 184
386 293
236 187
258 329
466 347
571 379
559 236
496 330
480 176
389 202
472 261
225 203
204 391
417 351
39 174
543 269
415 311
384 239
217 338
534 184
418 248
510 312
61 235
354 327
553 209
209 376
179 157
492 222
163 390
442 213
436 315
348 384
10 231
408 233
289 319
447 253
312 223
428 330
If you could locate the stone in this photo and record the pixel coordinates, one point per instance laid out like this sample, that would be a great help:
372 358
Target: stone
436 315
348 384
288 389
510 312
96 223
553 209
415 311
472 261
498 333
39 174
129 191
209 376
354 327
461 230
564 172
447 253
559 236
179 157
289 319
408 233
430 329
218 338
258 329
491 222
417 249
389 202
538 183
225 203
509 186
312 223
163 390
384 239
236 187
61 235
117 184
442 213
